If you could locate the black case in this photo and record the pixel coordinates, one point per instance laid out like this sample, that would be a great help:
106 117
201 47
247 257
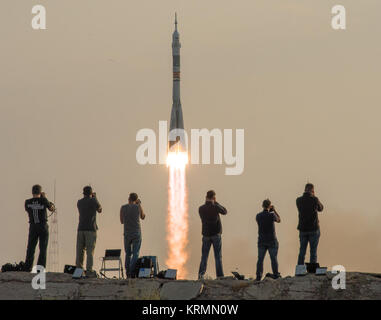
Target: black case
69 269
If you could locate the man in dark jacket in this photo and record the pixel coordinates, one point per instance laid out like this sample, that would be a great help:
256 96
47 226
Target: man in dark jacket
309 231
211 233
38 226
88 207
267 240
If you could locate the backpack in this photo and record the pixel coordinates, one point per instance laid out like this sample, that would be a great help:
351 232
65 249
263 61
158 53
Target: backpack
13 267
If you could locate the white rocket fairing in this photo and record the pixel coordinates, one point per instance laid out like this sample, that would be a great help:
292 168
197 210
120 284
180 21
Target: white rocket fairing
177 121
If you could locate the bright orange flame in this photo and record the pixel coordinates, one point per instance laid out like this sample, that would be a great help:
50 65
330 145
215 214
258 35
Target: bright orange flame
177 213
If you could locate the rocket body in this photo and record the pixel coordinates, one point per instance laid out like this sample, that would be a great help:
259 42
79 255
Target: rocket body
177 121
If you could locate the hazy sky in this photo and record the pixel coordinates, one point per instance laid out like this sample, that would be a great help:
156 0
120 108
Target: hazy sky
72 98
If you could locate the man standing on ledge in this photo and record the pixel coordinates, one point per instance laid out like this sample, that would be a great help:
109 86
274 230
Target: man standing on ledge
267 238
88 207
38 226
309 230
211 233
130 215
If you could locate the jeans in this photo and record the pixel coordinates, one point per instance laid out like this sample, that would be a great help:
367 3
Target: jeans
313 239
217 246
86 240
37 232
132 245
272 247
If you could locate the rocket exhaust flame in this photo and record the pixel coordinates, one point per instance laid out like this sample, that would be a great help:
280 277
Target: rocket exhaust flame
177 223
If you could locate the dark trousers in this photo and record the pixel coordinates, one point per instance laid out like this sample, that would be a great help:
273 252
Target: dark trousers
217 247
306 238
263 247
132 245
37 232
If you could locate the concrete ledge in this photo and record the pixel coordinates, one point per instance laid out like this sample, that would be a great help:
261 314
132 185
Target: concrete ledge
59 286
181 290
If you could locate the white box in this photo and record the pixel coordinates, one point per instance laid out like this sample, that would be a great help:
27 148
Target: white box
321 271
300 270
78 273
171 274
145 273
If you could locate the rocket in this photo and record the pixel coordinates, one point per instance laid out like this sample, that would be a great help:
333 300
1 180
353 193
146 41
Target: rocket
177 121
